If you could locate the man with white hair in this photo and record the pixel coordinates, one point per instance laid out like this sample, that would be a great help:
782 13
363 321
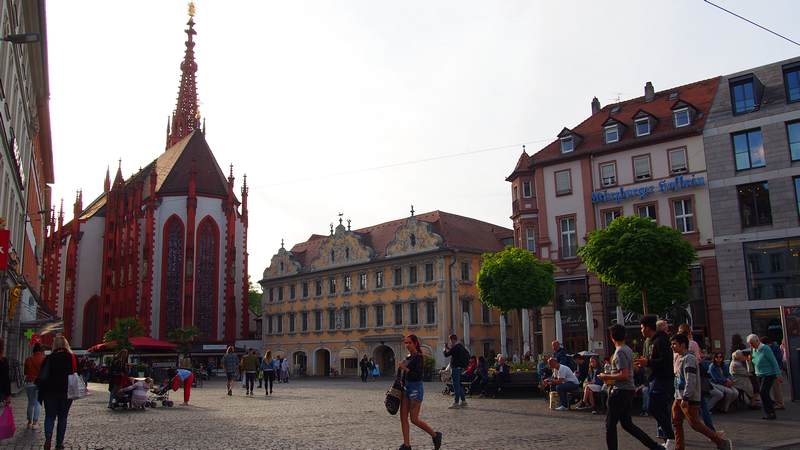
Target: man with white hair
767 370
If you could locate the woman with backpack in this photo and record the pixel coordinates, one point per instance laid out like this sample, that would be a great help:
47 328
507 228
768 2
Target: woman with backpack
52 384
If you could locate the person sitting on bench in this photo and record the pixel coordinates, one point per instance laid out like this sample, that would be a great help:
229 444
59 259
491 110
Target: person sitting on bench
564 382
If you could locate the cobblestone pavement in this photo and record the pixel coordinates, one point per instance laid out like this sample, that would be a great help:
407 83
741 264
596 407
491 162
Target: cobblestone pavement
348 414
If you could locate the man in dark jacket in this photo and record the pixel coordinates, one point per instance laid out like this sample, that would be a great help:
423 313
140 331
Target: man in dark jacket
659 361
459 358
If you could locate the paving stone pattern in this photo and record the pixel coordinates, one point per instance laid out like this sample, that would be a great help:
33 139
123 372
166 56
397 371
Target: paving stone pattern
347 414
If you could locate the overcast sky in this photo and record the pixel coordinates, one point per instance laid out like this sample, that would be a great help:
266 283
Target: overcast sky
309 97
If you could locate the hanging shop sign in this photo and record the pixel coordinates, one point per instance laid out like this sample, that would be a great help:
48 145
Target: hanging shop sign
676 184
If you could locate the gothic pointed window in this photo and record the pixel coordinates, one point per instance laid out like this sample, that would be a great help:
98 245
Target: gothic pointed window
206 276
172 277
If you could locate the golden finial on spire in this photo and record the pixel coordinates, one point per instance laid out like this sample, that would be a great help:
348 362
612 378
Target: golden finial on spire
191 9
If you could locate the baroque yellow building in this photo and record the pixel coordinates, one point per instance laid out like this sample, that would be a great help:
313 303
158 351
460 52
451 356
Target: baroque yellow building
332 299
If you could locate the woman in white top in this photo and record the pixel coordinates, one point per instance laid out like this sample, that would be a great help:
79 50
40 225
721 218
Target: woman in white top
139 394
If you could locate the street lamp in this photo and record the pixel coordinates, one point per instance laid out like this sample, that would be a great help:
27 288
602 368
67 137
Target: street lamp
22 38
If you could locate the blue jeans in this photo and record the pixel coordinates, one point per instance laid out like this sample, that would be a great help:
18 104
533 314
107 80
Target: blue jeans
562 390
705 414
458 389
56 408
33 402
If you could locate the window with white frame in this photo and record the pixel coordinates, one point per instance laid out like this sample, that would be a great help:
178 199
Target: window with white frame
612 134
684 215
608 174
609 215
681 117
563 182
569 237
526 189
648 210
642 127
641 167
567 144
677 161
530 239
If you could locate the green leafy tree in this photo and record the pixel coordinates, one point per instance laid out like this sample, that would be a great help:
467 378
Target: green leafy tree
514 279
254 296
648 263
122 331
183 337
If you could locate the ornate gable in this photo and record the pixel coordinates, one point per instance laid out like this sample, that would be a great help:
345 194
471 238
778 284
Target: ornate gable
281 265
342 248
414 236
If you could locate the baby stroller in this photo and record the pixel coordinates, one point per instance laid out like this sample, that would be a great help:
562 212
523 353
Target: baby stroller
121 400
160 395
446 376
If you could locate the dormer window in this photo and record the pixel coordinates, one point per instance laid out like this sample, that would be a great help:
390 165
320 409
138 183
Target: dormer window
681 117
567 144
642 127
612 134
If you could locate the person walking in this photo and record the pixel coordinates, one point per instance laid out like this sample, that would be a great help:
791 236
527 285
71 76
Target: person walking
33 365
250 365
620 400
688 395
459 358
52 384
285 369
231 364
767 370
268 366
777 391
659 361
5 376
413 393
364 366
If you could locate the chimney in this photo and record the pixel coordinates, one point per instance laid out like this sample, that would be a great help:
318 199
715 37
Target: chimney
649 92
595 106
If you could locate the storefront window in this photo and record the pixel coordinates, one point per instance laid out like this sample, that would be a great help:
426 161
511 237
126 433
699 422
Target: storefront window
571 301
767 322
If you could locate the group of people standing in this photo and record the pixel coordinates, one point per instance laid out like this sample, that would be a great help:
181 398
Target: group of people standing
369 368
252 366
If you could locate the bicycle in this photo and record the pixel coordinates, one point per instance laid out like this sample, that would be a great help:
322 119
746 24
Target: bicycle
16 374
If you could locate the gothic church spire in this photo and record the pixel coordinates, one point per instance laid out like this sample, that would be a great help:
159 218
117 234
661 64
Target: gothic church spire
186 117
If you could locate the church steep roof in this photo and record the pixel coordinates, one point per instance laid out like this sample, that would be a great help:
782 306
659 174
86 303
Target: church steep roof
172 173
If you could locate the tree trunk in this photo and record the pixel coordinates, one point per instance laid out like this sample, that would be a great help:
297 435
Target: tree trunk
522 339
644 301
503 347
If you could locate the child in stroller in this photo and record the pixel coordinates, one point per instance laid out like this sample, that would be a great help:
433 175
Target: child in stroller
160 394
134 395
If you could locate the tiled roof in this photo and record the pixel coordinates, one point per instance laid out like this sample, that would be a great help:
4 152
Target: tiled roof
172 172
699 95
523 165
457 232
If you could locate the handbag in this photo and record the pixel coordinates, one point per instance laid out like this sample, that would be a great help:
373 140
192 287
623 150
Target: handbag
76 388
7 426
394 395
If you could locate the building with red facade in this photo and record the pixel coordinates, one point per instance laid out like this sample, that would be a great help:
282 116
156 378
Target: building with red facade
645 157
167 245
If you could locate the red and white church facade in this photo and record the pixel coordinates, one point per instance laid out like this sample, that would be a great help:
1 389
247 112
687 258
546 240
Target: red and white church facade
168 245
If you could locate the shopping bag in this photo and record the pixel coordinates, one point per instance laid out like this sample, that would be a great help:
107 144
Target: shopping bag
76 388
7 427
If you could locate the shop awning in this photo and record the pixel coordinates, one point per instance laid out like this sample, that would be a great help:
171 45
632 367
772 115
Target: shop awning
138 343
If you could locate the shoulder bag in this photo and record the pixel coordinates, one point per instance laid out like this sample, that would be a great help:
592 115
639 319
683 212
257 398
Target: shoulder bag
394 395
76 388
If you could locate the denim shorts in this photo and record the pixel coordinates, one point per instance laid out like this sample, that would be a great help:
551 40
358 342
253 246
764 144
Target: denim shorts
414 390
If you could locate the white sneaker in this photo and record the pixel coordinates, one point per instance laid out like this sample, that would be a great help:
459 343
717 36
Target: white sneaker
454 406
562 408
670 444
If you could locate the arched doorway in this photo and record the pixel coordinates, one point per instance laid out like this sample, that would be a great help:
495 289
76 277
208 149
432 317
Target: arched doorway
300 363
91 316
384 357
322 363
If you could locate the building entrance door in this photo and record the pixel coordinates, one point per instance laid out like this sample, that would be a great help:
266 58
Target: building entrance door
384 357
322 363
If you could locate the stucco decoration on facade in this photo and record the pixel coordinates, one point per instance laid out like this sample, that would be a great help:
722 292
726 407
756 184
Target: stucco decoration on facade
414 236
282 264
343 248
